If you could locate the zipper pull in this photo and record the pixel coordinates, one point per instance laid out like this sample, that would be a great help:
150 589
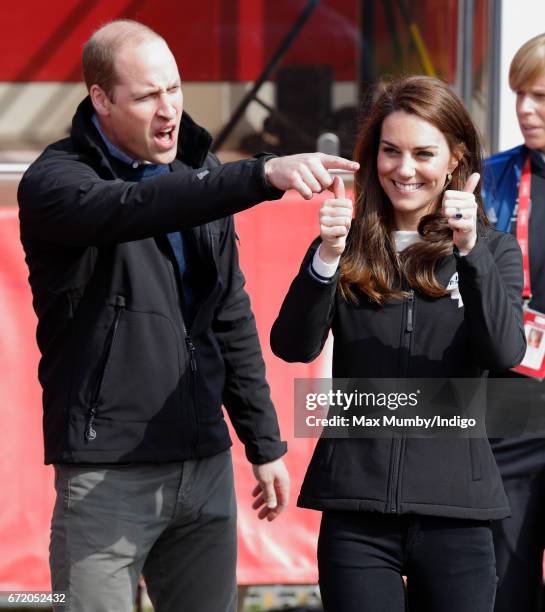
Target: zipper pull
70 305
90 432
410 311
191 349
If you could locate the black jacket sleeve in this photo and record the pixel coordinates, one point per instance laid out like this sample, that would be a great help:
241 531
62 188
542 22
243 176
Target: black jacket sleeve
490 280
64 200
246 394
302 326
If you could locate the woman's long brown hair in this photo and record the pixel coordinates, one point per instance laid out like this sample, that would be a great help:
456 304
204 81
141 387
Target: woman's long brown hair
370 262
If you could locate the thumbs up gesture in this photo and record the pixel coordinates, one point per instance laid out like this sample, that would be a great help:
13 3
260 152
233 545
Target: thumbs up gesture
460 209
335 219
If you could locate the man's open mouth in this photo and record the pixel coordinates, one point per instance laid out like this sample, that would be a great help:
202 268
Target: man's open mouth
165 137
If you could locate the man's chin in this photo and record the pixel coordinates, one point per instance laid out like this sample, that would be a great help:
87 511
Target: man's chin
163 157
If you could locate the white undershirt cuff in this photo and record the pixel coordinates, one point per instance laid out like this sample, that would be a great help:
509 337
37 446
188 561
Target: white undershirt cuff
323 269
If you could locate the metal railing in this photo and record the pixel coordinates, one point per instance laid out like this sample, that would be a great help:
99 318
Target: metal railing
10 168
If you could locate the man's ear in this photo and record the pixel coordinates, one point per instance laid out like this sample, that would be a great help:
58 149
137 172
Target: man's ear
100 100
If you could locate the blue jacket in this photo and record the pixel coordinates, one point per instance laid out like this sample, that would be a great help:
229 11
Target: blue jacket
500 185
515 456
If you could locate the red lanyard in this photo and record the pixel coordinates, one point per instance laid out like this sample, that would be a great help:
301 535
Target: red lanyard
523 215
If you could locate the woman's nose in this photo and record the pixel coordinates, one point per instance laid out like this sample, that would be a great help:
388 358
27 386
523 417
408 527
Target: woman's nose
526 104
406 167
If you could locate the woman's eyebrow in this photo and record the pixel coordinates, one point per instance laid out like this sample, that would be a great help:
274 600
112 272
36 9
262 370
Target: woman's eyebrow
391 144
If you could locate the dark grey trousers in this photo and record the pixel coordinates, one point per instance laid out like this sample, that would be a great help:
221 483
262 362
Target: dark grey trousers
519 542
174 523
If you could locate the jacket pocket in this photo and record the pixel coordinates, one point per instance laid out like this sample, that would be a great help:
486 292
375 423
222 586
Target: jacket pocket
90 432
129 370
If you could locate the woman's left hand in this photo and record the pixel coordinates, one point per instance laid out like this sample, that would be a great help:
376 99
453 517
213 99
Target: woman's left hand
460 209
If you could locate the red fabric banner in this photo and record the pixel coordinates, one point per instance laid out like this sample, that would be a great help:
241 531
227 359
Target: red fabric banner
27 488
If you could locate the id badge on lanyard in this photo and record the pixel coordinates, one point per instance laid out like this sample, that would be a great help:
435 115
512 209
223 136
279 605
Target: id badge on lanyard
533 364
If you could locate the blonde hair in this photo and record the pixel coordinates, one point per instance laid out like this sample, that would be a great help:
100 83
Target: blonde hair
528 64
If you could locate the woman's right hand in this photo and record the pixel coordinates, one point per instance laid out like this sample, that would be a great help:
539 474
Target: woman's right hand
335 220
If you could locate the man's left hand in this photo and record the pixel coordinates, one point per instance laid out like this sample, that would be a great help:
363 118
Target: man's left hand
273 489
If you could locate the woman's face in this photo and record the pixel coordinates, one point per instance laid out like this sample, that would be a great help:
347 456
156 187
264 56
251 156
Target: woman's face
412 165
531 113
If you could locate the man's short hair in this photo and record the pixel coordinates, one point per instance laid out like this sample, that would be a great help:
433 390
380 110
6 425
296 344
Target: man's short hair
528 64
98 56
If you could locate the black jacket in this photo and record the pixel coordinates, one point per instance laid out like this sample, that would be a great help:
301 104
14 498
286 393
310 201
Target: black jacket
419 337
123 380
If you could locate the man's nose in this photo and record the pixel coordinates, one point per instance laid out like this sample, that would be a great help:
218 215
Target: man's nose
166 107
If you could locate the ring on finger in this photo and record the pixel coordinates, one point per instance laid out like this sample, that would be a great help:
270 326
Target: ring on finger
458 215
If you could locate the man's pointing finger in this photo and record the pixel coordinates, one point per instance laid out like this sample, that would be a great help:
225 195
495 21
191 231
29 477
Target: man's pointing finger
332 162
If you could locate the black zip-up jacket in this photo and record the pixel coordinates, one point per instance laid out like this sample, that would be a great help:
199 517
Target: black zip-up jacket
419 337
123 379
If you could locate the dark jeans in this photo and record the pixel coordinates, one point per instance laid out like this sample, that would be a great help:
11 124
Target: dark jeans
362 556
519 542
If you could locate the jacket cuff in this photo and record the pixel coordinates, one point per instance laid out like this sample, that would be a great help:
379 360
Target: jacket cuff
314 275
264 452
323 280
477 262
261 159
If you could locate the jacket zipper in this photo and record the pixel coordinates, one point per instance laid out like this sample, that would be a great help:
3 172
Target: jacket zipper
202 254
410 309
193 365
197 245
398 443
73 296
191 349
90 431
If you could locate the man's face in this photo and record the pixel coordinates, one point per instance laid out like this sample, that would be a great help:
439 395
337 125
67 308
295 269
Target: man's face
143 116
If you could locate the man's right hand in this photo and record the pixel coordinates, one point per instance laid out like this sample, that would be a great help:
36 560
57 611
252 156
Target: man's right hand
272 491
307 173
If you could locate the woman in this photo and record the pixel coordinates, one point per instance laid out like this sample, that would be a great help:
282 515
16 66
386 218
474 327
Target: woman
520 540
401 505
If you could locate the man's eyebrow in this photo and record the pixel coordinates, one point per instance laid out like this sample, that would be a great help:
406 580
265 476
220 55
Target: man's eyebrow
146 91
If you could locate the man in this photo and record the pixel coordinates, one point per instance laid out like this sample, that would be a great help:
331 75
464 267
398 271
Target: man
145 329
